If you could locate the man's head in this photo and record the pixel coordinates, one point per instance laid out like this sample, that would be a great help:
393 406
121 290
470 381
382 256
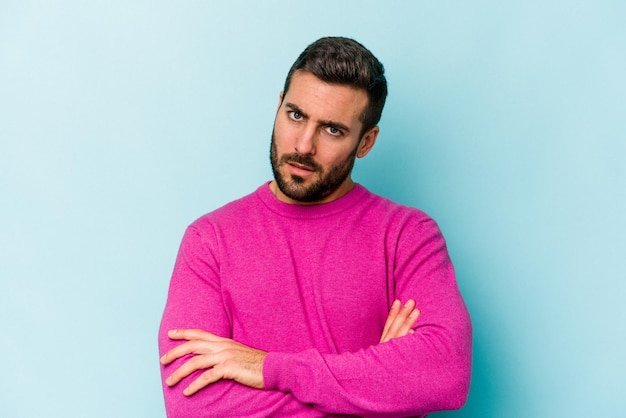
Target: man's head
327 116
344 61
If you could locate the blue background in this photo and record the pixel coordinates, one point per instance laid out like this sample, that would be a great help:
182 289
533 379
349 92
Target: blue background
121 122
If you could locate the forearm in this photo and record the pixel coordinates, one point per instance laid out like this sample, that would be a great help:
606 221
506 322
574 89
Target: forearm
194 301
222 398
416 374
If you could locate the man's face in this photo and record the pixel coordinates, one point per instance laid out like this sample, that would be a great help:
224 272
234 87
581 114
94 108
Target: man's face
316 139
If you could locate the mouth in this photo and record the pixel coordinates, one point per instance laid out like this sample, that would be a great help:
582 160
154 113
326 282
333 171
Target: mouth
300 166
300 170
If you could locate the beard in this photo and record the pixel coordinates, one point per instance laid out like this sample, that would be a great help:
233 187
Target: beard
327 182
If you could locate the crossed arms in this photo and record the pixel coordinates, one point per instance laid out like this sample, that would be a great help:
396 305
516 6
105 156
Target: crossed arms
223 358
403 366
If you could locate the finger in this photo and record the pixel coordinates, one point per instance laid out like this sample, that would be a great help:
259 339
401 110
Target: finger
195 363
178 352
403 321
407 326
192 334
404 312
393 312
189 347
205 379
402 326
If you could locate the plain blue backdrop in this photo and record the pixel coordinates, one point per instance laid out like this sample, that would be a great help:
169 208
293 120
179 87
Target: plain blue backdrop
123 121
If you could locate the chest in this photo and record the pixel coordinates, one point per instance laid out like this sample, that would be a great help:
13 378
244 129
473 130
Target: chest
307 288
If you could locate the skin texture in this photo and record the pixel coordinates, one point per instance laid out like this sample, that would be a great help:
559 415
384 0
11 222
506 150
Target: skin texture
315 141
222 358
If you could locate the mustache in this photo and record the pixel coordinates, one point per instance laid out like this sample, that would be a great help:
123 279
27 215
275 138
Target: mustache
305 160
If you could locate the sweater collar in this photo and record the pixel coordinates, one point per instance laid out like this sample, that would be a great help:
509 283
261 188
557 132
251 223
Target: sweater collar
310 211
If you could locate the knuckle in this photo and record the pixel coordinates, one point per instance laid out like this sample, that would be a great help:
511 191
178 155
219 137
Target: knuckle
207 376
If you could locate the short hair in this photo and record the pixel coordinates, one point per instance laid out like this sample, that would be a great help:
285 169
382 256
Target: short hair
339 60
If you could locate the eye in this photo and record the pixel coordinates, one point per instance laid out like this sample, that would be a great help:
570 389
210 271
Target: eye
295 115
333 131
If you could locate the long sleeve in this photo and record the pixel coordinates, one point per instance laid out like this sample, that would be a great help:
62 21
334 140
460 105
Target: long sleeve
312 286
194 301
413 375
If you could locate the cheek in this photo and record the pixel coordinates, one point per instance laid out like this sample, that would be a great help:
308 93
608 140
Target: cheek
332 156
282 135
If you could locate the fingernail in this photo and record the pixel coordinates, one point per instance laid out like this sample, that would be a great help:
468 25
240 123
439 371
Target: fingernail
414 313
408 303
396 303
172 332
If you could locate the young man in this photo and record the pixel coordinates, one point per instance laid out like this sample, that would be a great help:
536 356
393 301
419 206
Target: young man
287 302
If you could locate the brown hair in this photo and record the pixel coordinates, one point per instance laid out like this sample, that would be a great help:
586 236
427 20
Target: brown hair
339 60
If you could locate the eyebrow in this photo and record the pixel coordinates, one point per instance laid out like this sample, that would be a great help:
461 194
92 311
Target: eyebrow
335 124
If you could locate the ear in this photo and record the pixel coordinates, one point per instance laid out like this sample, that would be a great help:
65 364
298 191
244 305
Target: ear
367 142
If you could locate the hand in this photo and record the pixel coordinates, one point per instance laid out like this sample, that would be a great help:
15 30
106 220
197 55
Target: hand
400 320
222 358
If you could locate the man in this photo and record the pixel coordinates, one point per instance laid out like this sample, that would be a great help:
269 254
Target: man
287 302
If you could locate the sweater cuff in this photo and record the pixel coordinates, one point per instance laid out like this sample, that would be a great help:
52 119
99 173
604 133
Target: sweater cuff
272 369
283 371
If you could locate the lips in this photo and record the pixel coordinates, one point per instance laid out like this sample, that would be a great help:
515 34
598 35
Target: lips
300 166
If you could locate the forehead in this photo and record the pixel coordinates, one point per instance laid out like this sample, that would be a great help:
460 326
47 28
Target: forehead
325 101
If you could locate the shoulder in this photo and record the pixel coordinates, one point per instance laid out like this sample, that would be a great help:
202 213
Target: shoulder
397 222
229 215
381 206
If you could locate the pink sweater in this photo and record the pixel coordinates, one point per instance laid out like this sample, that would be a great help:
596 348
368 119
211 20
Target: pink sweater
312 286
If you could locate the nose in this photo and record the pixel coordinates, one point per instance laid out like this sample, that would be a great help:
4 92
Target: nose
305 142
